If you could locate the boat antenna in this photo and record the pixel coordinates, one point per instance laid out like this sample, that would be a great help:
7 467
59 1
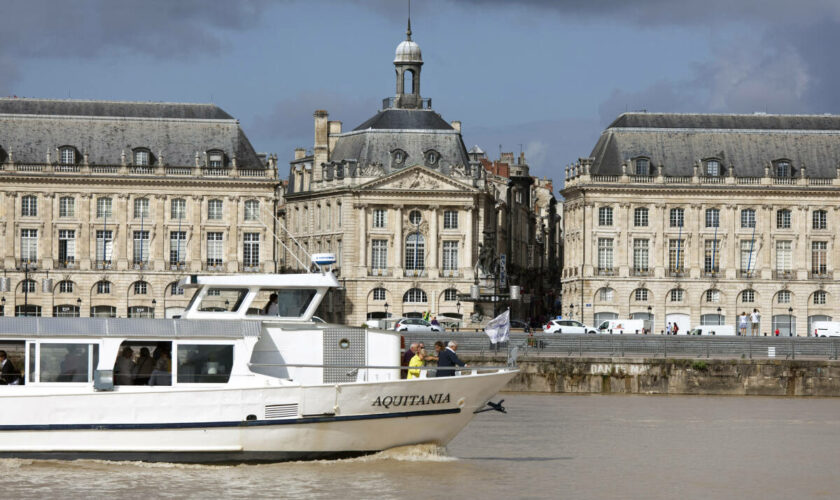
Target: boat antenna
283 244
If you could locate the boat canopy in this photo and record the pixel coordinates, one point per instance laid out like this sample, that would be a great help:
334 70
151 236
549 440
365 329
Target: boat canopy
28 327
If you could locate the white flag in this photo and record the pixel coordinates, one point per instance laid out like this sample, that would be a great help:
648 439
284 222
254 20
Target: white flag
498 329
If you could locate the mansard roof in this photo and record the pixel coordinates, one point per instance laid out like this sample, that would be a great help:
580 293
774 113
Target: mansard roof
29 128
747 142
414 132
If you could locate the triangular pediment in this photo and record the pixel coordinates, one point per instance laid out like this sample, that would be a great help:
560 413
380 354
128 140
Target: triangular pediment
418 178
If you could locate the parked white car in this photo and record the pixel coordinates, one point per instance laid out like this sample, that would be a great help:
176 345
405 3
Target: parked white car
416 325
826 328
567 326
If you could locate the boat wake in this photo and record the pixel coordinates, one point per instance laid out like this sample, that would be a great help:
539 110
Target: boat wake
412 453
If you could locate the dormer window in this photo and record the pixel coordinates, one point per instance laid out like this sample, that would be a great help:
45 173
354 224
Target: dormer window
642 166
783 169
712 168
215 159
398 157
432 158
67 155
142 157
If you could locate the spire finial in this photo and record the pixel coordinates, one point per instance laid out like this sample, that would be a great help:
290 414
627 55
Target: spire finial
408 31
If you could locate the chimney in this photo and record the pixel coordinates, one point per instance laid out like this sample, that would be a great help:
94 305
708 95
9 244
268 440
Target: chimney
334 130
457 125
299 153
322 154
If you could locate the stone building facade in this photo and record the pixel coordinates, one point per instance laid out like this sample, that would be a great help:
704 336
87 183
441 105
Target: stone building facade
105 205
695 219
412 216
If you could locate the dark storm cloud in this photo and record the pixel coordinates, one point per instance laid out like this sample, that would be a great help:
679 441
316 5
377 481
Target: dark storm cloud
90 28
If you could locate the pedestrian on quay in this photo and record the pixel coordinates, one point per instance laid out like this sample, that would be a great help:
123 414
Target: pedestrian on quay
669 329
755 320
777 332
742 324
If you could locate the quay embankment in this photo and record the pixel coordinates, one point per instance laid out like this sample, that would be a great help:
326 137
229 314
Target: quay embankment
733 377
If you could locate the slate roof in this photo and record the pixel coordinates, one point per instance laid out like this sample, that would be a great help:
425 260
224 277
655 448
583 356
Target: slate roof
104 129
749 142
413 131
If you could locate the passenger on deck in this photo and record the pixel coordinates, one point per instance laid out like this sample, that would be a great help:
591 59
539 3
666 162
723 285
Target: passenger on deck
419 359
406 359
448 358
8 374
124 367
144 367
272 308
162 374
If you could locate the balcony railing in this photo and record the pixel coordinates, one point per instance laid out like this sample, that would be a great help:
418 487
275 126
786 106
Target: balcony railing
103 264
66 264
605 271
249 268
140 265
641 272
711 274
22 263
820 275
783 275
746 274
214 266
379 271
676 273
449 273
143 170
415 273
176 265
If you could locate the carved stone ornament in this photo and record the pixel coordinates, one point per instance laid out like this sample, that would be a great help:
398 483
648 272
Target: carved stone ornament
458 170
372 170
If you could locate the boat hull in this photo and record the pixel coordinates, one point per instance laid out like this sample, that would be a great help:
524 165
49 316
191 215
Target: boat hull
236 425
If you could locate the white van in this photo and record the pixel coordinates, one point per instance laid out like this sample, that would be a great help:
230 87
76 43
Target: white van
826 328
717 330
624 326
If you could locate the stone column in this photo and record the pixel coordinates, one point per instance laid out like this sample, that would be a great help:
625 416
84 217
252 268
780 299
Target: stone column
10 230
800 264
158 235
434 247
467 261
122 251
85 232
232 259
46 251
195 241
362 221
398 241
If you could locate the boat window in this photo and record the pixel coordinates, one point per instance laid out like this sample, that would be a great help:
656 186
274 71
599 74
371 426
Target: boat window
222 299
138 361
67 362
204 364
12 359
289 303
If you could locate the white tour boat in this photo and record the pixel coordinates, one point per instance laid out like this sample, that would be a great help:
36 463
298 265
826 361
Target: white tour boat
226 382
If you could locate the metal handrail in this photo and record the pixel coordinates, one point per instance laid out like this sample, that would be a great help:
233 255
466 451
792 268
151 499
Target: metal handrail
384 367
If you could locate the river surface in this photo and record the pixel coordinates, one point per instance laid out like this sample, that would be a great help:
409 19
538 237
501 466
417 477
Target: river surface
547 446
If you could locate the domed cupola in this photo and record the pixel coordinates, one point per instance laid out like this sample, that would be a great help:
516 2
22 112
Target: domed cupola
407 62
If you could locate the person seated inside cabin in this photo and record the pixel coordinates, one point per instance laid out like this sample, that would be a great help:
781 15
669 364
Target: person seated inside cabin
124 367
8 374
144 367
74 366
272 308
162 374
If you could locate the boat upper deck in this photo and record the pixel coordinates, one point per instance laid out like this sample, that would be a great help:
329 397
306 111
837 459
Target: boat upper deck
29 327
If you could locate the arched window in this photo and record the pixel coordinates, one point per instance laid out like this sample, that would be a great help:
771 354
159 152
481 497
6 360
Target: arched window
432 158
252 210
676 295
140 288
642 166
783 169
141 312
65 286
175 290
712 168
415 295
640 295
450 295
415 247
142 157
748 296
820 298
66 311
606 294
712 296
379 293
103 287
398 158
27 286
415 217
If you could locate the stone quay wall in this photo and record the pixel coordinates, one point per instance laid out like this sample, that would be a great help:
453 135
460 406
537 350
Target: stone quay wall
730 377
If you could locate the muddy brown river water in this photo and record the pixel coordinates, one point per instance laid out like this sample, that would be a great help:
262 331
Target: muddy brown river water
547 446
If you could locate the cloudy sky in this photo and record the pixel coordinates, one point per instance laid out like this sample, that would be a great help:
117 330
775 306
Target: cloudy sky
545 76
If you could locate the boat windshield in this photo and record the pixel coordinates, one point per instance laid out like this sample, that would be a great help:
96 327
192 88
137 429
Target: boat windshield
282 302
221 299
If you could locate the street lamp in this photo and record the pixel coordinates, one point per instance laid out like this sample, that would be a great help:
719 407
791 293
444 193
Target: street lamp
571 311
790 321
719 320
386 310
650 318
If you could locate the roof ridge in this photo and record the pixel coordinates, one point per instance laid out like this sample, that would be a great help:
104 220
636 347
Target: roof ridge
101 101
